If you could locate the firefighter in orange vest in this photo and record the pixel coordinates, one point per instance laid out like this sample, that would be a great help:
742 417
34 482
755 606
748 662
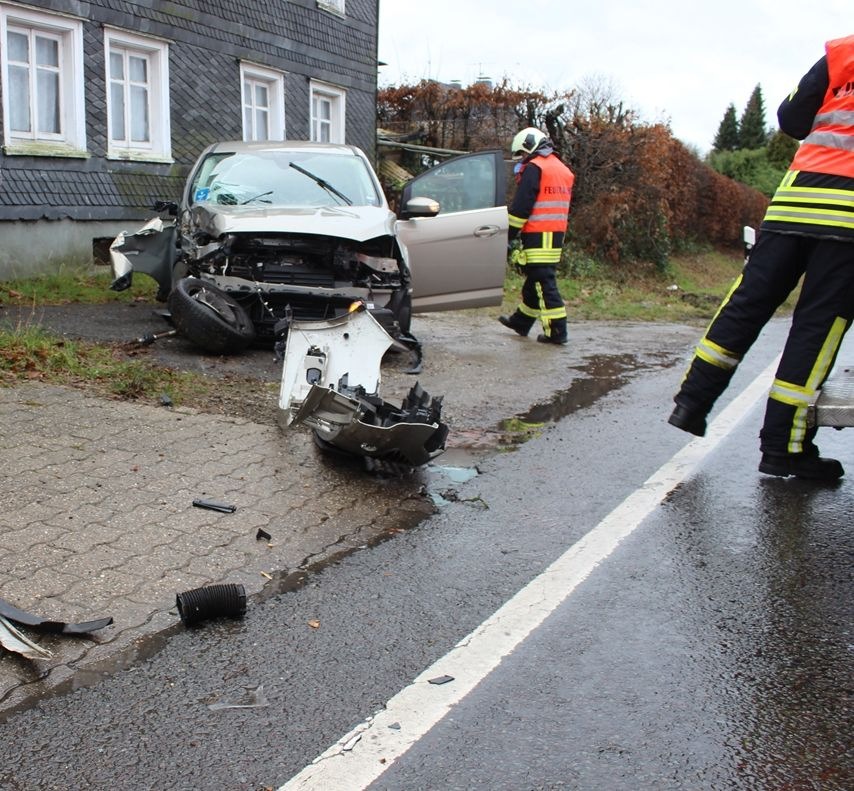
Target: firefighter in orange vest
808 231
539 215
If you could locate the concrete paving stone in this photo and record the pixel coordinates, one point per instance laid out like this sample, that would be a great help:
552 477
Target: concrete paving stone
94 510
13 540
200 543
35 557
250 466
184 519
84 540
23 460
94 597
23 594
93 562
131 492
261 485
142 540
81 496
247 520
298 520
154 563
218 485
59 479
129 518
170 470
218 563
113 584
32 533
153 595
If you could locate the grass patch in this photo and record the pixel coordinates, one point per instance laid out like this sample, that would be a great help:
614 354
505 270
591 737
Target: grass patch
520 430
689 290
73 285
30 353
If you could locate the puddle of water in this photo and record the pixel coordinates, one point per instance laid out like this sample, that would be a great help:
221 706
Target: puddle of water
441 478
602 374
458 474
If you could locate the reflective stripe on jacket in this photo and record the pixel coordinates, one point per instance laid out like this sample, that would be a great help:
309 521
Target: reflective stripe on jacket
816 196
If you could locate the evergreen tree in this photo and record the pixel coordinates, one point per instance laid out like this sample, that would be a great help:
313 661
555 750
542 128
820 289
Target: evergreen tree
727 137
751 129
781 149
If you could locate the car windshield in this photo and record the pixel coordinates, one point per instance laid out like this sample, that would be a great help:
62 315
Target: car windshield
284 178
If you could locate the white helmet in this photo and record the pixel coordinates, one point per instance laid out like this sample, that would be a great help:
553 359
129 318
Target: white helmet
527 142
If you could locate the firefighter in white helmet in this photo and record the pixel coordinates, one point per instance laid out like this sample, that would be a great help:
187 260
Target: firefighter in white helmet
539 215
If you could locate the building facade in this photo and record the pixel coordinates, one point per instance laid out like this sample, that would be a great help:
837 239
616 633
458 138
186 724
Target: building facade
106 104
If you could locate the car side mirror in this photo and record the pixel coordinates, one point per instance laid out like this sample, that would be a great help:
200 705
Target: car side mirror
420 207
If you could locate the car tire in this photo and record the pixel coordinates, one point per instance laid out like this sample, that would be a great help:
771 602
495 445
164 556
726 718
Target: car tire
209 318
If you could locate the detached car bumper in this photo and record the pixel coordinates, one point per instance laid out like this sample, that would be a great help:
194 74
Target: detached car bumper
330 382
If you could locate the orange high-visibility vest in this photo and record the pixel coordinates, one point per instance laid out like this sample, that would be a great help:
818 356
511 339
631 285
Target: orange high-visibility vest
551 209
829 147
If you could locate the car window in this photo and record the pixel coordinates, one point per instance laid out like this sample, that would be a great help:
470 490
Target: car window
461 184
266 178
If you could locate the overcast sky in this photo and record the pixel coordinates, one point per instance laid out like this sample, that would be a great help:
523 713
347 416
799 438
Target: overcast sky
677 61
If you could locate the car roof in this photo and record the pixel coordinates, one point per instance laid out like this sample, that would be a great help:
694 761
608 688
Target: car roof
240 146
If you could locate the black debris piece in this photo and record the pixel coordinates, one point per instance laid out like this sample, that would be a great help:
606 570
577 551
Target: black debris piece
12 613
262 535
213 505
440 680
211 601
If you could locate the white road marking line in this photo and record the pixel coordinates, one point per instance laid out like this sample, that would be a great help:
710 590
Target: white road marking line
361 756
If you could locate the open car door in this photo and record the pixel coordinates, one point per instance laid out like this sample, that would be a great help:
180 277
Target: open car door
458 257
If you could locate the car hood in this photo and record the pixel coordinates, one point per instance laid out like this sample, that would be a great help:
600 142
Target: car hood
358 223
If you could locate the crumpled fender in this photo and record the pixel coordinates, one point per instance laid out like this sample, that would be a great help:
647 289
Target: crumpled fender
149 250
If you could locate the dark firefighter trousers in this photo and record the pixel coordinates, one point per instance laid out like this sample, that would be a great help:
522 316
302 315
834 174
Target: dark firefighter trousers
541 300
820 320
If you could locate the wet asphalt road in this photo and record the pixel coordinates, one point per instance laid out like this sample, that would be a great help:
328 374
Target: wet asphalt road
712 649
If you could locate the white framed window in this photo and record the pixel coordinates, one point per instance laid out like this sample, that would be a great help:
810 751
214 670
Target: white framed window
137 72
263 92
327 113
41 56
336 6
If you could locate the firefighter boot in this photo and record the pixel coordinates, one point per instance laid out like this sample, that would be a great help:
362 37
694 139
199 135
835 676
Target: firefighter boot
801 465
688 420
555 333
520 324
558 340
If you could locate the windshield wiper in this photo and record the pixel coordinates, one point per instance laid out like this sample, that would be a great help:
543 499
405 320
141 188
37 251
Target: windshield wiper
256 197
322 183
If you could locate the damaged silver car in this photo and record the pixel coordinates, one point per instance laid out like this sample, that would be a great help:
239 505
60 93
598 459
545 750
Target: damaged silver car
268 233
331 383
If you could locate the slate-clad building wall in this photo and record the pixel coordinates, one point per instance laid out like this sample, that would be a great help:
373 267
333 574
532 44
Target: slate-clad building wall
42 197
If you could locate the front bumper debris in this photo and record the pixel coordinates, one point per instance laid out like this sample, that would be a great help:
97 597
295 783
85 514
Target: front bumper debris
330 382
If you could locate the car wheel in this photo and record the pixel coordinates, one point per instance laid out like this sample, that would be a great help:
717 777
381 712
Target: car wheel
210 318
